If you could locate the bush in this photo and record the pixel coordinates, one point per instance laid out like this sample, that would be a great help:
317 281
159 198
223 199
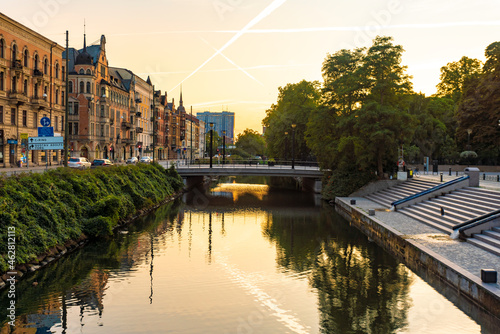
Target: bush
50 208
342 183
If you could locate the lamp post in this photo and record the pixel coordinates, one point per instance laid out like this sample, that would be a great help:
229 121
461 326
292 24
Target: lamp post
211 139
469 131
286 145
293 145
223 147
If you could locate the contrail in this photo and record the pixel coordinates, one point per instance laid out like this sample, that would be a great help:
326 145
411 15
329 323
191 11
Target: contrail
268 10
236 65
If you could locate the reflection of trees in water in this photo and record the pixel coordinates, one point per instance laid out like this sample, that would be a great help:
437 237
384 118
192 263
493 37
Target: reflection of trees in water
361 289
81 278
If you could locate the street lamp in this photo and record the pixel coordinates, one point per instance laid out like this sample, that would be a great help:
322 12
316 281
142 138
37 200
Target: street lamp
211 139
223 147
286 145
293 145
469 131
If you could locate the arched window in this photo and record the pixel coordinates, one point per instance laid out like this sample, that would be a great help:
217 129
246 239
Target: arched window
89 72
25 58
2 48
14 52
88 87
70 87
35 65
82 86
81 71
45 66
57 70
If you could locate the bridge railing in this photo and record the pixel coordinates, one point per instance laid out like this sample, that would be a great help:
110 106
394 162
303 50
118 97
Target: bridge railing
248 163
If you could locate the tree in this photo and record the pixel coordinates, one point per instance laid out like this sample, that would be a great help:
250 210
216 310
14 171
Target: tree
251 142
295 104
454 75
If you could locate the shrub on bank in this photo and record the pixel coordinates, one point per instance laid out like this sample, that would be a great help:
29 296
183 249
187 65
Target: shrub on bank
51 208
342 183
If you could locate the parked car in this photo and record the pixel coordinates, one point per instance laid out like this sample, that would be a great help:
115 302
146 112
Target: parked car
80 163
132 160
146 159
102 162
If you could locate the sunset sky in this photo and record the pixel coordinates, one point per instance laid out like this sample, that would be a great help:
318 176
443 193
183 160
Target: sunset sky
234 54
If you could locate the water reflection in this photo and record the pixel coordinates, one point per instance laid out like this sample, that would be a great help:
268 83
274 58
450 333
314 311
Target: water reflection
239 258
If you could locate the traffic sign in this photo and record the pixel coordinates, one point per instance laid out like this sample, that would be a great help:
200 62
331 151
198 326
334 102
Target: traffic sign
46 146
45 121
47 131
41 140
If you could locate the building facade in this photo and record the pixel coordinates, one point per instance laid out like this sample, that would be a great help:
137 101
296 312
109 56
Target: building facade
222 121
32 86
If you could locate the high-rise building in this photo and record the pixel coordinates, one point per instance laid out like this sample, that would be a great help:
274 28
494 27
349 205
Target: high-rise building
222 121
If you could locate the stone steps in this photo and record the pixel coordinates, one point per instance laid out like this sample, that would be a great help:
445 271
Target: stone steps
402 190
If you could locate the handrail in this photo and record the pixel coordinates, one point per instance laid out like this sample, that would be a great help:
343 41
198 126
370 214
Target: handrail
476 219
459 229
430 190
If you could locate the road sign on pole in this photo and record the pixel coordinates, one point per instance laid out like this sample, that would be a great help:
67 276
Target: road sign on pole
47 131
45 121
46 146
35 140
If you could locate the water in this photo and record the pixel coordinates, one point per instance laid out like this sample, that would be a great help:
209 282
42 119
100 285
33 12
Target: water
238 259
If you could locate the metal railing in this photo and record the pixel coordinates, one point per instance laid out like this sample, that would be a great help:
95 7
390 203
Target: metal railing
248 163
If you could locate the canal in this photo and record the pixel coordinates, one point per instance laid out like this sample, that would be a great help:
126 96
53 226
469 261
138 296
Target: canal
238 258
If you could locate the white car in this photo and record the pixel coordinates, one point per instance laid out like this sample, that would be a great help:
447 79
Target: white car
146 159
80 163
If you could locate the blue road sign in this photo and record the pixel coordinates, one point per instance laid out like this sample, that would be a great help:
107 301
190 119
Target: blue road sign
45 121
46 131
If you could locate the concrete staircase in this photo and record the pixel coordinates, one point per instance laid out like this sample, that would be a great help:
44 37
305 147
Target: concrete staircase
488 240
460 206
402 190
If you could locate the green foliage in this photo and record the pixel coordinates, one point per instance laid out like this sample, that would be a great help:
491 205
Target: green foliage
454 76
342 183
251 143
50 208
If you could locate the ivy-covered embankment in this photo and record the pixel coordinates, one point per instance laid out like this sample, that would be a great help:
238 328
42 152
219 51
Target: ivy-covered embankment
63 205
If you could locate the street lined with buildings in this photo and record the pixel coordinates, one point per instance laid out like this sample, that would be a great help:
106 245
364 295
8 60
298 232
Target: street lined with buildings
111 112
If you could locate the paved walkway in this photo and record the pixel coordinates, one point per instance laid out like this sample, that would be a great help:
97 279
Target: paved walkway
465 256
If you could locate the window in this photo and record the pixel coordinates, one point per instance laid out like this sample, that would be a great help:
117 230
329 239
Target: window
57 70
89 72
82 85
73 128
81 71
25 58
2 48
63 72
102 130
62 125
35 91
57 96
45 66
91 129
35 119
25 86
103 70
25 118
88 87
35 64
102 110
45 92
63 100
14 84
70 87
103 92
14 52
13 116
2 87
56 123
1 114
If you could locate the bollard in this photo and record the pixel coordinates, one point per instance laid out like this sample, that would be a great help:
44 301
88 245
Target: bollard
457 172
371 212
449 171
484 176
498 178
353 202
441 177
488 275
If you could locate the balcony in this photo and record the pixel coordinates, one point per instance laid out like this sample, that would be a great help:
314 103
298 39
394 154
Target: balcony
128 141
139 100
139 130
17 66
103 119
126 125
138 114
103 100
17 98
39 103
